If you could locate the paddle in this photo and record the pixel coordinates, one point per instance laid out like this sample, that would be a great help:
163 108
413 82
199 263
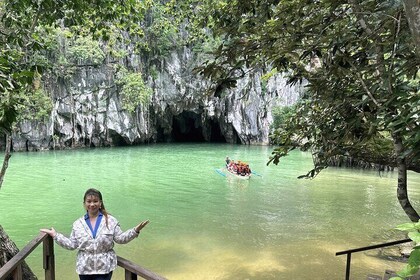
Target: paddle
255 173
220 172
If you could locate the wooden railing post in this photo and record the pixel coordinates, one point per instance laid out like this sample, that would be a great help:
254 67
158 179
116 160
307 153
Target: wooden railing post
130 275
17 272
14 265
348 266
48 258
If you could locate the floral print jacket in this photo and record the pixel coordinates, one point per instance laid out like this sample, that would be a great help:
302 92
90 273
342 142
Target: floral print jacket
95 255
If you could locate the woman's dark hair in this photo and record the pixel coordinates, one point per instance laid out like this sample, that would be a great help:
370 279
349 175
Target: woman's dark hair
95 192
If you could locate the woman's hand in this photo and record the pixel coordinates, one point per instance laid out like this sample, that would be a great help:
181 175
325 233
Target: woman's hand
139 227
51 232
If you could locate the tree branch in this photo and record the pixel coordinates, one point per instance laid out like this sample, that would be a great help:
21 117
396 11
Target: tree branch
7 156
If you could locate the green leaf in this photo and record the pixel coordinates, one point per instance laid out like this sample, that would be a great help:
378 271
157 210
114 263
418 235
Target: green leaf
415 236
414 259
408 271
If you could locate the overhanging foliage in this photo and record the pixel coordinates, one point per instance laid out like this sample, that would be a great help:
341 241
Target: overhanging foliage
358 58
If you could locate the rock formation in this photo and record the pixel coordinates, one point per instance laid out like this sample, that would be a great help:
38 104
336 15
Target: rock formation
87 109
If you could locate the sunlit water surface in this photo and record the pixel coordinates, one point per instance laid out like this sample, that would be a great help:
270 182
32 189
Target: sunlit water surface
204 225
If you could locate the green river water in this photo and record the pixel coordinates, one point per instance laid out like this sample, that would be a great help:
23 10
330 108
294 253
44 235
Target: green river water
204 225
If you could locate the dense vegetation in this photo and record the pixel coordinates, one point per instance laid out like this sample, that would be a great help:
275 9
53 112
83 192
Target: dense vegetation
360 61
46 41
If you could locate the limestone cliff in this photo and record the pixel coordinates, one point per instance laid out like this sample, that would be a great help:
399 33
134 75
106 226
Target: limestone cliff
87 109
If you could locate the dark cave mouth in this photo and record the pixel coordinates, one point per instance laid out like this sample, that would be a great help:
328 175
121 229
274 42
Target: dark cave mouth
188 127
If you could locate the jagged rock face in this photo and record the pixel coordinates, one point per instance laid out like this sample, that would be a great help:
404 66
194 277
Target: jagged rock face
88 111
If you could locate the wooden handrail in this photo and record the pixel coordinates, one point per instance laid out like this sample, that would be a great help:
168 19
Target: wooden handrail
361 249
373 247
14 265
132 269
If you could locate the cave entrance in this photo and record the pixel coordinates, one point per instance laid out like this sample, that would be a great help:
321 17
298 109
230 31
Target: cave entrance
215 132
116 138
187 127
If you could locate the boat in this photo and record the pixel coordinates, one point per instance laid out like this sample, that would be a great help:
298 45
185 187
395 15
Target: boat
238 169
239 176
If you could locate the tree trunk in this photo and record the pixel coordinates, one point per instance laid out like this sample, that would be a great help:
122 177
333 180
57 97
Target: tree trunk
7 156
402 181
7 247
412 12
7 250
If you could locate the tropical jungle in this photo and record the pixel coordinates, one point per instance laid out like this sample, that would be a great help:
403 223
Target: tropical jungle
332 83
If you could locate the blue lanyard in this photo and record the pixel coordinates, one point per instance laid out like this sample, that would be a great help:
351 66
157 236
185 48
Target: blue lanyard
98 222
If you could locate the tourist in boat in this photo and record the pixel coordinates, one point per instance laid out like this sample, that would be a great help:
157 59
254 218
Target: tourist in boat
243 169
238 168
233 166
247 170
94 235
227 161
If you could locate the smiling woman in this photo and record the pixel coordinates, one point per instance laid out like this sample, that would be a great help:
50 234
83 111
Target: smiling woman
94 239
